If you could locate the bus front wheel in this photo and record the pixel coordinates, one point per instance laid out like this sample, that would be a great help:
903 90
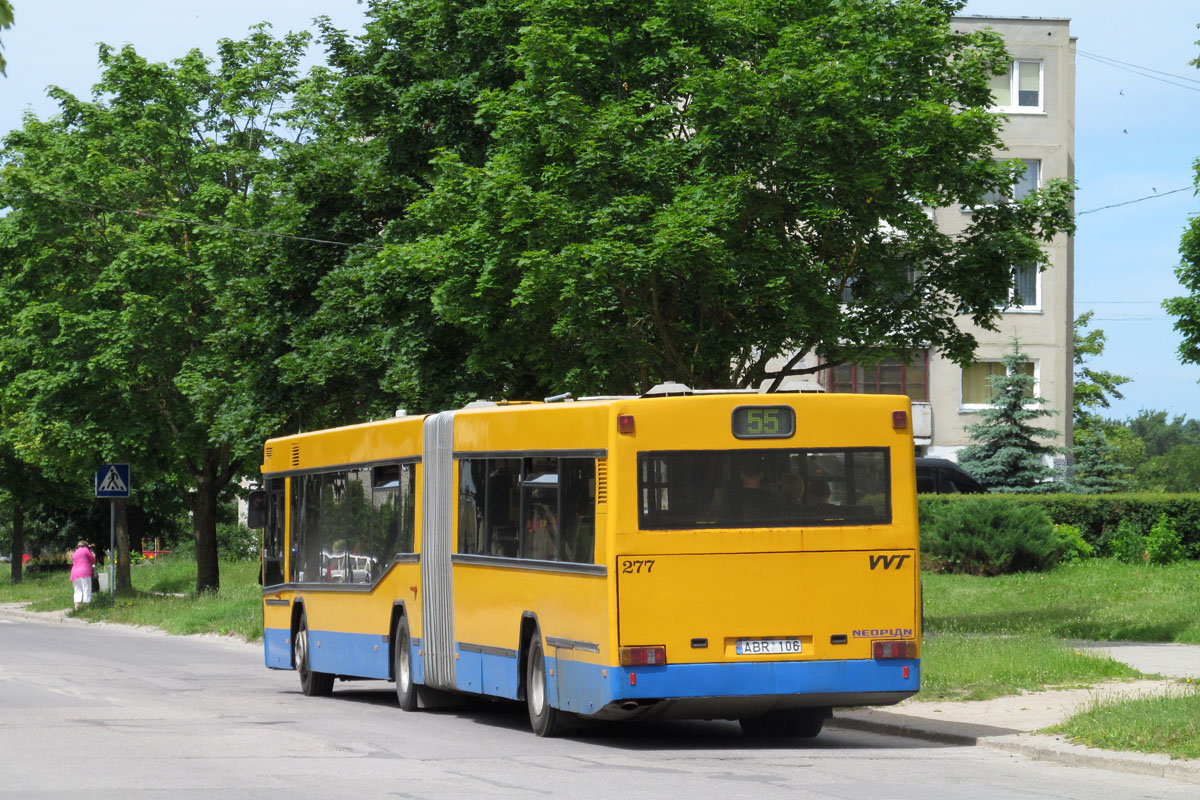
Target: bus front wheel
313 684
545 720
406 692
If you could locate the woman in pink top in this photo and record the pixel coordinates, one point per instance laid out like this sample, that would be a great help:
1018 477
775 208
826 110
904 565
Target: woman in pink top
81 573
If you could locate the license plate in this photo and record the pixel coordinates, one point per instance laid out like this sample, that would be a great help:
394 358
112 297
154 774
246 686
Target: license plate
767 647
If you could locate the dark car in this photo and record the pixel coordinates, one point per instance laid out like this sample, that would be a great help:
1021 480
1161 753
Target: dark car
943 476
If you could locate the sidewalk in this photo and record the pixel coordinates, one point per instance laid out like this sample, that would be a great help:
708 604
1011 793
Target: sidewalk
1007 723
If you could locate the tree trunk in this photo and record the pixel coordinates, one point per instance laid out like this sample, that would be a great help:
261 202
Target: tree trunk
212 476
18 541
124 582
204 530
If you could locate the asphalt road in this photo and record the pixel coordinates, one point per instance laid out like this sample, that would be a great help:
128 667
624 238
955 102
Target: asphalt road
107 712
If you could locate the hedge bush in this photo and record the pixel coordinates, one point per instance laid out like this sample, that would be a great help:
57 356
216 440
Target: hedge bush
1097 516
980 536
236 542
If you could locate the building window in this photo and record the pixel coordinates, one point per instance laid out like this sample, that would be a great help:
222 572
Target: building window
890 376
1025 287
1019 88
977 389
1025 184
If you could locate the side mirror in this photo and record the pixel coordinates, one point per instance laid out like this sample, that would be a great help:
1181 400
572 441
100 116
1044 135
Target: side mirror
256 514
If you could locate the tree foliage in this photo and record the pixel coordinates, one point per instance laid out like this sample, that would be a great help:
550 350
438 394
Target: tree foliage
1160 436
1006 453
687 190
6 21
1186 309
129 297
1177 470
1098 468
1093 388
1098 465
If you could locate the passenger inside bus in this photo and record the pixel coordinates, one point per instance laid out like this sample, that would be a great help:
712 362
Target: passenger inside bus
816 498
791 490
753 500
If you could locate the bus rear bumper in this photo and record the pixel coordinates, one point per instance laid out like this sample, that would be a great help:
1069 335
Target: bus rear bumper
731 690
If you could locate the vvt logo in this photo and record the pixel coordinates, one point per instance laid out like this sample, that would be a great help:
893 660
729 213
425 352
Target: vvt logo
888 562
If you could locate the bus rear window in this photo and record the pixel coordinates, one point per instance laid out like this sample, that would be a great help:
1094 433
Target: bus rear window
764 488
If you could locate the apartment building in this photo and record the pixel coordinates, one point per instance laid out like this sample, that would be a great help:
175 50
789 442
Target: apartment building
1038 97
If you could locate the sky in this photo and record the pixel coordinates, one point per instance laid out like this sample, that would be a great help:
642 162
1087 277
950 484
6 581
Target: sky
1135 137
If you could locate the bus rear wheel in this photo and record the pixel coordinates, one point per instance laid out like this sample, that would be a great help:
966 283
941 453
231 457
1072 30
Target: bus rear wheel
406 692
313 684
545 720
801 723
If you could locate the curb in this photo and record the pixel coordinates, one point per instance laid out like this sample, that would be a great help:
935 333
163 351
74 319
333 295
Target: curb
22 610
1054 749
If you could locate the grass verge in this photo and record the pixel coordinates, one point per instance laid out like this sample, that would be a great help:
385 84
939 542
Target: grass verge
989 637
157 585
1095 600
1168 724
957 666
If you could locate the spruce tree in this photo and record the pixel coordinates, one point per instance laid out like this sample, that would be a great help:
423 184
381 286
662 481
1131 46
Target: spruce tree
1098 468
1007 454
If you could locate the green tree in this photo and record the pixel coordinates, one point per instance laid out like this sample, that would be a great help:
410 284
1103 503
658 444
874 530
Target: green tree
1098 467
1093 388
129 295
6 21
1006 454
1177 470
18 484
686 190
1186 309
390 101
1161 436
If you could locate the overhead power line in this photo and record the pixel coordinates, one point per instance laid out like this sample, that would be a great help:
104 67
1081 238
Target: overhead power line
1138 200
336 243
1145 72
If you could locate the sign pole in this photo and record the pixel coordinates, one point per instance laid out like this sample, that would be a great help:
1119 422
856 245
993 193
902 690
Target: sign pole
112 481
112 549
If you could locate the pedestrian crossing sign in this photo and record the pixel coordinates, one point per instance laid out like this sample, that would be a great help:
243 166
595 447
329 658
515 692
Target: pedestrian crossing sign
112 480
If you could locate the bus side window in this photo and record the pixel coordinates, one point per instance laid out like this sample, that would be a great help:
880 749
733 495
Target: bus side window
408 509
357 524
503 506
577 481
539 509
472 474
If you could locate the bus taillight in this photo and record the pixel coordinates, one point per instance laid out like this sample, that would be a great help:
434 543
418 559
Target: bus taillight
625 423
894 649
654 656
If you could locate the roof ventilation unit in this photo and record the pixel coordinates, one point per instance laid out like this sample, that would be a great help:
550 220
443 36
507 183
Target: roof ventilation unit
668 389
793 384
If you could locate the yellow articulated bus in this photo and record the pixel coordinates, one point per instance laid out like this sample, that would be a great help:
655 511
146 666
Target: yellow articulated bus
707 555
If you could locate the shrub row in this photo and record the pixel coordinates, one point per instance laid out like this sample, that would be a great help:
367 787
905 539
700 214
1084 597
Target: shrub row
1097 517
999 534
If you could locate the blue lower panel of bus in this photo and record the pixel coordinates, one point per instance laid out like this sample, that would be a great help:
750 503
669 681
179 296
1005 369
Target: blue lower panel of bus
494 674
277 648
364 655
585 688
